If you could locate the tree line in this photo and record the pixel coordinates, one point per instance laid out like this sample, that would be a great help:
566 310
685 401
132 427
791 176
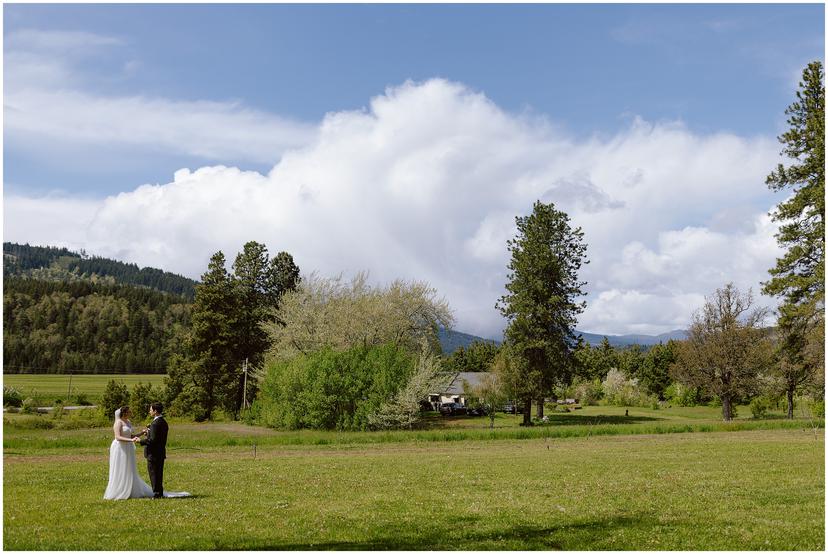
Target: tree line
84 327
61 264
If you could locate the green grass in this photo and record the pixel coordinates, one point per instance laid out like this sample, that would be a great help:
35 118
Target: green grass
47 388
26 431
688 491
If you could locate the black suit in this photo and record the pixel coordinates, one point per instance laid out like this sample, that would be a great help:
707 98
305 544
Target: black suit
155 451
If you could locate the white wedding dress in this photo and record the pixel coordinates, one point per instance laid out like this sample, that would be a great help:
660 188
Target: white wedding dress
124 481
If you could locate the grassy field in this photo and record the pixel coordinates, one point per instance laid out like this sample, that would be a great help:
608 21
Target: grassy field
596 478
46 388
688 491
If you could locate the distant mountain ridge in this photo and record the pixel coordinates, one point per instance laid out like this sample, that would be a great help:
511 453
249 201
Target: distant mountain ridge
452 340
628 340
60 264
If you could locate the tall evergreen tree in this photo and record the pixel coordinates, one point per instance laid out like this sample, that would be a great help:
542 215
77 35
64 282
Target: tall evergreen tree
260 283
541 304
203 377
799 275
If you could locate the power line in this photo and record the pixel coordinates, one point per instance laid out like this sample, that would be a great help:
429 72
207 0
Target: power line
109 370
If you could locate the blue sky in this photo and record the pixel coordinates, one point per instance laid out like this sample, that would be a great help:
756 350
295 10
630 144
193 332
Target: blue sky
101 99
588 68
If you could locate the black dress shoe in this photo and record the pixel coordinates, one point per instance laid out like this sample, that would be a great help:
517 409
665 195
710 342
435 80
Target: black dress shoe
158 496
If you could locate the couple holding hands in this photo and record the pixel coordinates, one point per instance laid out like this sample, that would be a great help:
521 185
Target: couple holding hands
124 481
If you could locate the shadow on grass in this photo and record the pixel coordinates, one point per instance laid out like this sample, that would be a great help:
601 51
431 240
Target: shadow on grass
460 534
458 422
561 419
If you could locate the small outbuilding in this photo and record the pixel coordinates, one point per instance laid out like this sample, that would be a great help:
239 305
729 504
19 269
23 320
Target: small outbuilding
455 387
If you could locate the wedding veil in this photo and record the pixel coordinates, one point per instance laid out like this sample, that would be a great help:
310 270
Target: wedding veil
118 413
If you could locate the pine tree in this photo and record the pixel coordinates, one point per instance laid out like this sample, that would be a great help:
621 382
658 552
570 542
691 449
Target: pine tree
541 304
203 377
260 283
799 275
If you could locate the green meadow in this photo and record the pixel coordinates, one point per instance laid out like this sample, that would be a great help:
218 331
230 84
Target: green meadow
671 479
46 388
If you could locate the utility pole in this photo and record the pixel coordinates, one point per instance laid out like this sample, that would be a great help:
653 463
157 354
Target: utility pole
244 399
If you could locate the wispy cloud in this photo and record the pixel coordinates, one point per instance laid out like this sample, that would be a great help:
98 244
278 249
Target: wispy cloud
49 103
211 130
51 41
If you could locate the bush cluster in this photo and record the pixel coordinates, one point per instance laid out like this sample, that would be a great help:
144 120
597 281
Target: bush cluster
588 393
621 391
12 397
117 395
77 419
333 390
759 407
681 395
28 406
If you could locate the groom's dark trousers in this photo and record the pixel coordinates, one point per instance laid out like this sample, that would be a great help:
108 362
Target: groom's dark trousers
155 451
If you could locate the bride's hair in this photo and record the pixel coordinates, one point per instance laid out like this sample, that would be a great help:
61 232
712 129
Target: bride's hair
122 410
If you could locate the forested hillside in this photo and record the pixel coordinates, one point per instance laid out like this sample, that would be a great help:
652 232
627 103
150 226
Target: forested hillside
85 327
60 264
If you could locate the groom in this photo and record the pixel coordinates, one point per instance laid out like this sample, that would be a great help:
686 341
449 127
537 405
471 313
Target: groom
155 449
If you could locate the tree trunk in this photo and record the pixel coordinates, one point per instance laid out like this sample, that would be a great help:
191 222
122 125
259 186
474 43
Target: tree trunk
540 408
527 412
790 402
726 412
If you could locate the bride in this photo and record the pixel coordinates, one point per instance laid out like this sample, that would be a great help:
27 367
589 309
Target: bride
124 481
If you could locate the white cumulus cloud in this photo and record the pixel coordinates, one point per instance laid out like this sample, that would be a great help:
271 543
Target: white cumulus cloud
425 184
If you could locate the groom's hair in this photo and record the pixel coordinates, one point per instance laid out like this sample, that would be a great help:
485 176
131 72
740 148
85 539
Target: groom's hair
158 407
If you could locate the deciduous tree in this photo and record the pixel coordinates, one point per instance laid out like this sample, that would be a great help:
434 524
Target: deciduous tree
726 349
332 312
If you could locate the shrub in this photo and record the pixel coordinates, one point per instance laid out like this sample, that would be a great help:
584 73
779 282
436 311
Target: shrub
83 419
588 393
80 399
811 407
403 411
57 409
333 390
759 407
12 397
28 406
682 395
251 415
620 391
140 399
115 396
